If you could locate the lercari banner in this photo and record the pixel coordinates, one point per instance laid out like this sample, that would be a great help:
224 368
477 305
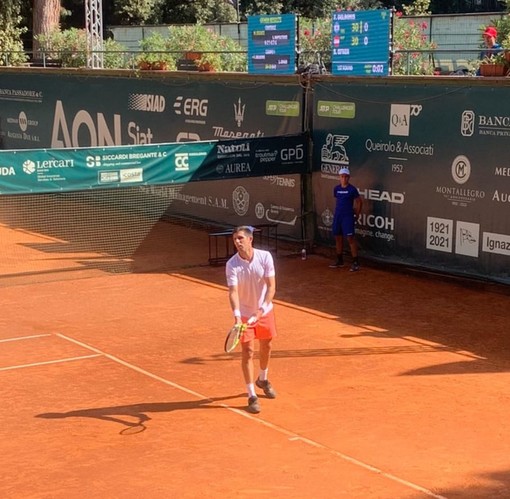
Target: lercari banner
58 170
431 163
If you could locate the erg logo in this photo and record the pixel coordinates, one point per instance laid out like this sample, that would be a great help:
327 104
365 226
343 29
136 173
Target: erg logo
191 106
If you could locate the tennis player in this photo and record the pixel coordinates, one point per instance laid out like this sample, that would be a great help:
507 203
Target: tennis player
252 284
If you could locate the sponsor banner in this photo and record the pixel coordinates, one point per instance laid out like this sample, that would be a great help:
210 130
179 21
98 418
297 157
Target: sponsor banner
62 110
431 164
56 170
41 110
241 201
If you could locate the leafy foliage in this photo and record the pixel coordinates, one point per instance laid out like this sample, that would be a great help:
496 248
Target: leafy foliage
155 53
11 46
134 11
217 52
70 48
408 35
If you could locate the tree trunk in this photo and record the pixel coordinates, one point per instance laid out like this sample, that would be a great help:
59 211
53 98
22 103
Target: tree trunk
46 18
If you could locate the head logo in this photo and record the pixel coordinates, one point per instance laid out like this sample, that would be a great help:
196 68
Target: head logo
400 119
239 112
333 151
241 200
461 169
29 166
467 124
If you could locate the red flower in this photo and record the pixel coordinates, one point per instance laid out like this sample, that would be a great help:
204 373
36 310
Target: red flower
398 13
306 32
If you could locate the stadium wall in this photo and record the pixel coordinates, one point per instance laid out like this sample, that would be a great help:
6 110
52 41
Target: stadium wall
429 155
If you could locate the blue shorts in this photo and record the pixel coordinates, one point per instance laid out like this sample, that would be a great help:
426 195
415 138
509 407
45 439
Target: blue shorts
343 225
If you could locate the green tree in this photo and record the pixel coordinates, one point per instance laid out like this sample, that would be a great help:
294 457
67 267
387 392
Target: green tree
11 46
417 8
133 11
194 11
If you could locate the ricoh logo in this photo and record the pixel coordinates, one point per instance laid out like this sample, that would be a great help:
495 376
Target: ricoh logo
389 197
147 102
376 222
191 106
400 118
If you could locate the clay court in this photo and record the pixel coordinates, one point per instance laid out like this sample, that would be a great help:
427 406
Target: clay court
390 385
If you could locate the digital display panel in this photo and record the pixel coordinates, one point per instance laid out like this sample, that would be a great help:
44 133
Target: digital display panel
360 42
272 44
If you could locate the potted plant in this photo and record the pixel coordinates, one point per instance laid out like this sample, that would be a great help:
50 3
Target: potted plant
200 48
494 65
155 55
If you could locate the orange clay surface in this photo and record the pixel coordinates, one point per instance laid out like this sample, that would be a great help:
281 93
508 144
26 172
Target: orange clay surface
115 385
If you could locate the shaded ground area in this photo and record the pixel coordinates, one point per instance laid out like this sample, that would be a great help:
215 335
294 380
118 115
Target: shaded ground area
390 385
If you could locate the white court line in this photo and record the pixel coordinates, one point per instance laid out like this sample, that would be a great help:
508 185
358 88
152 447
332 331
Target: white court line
292 436
69 359
25 337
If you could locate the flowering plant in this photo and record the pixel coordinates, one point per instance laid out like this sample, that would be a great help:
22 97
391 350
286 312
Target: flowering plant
408 35
314 41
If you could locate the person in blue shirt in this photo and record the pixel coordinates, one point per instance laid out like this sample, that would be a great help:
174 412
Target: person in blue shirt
492 47
347 209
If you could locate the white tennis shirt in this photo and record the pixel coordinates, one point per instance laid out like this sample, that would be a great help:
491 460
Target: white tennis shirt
249 279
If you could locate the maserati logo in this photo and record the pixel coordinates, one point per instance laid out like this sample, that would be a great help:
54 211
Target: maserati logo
239 112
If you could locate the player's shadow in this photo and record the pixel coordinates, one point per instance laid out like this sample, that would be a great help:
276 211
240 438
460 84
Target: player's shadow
134 416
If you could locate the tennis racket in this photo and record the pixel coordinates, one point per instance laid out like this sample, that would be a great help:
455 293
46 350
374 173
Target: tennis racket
234 337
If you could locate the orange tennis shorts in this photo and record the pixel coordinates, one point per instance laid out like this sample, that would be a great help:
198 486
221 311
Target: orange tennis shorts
265 329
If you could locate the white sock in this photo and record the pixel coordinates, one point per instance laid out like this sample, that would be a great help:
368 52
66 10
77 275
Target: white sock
263 374
251 390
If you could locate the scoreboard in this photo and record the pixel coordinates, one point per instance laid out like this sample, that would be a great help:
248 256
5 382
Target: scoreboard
360 42
272 44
